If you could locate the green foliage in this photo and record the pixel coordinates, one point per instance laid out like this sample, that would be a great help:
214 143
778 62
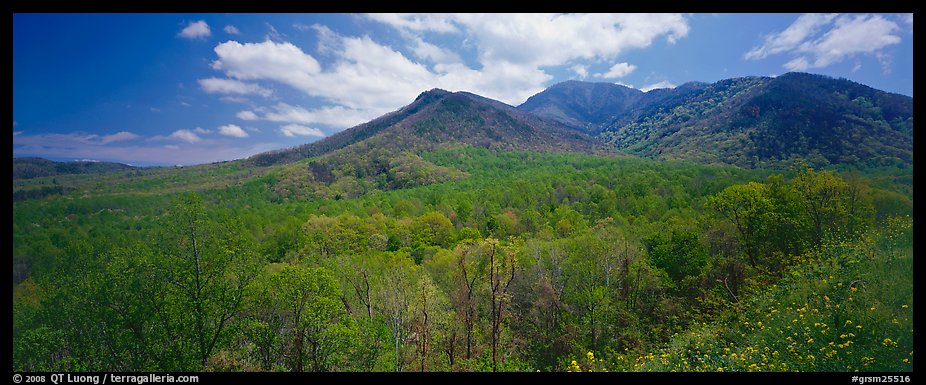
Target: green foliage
768 122
529 262
846 307
297 321
679 253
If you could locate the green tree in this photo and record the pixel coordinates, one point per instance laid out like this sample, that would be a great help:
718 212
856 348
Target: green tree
433 228
679 253
823 195
747 206
208 266
319 333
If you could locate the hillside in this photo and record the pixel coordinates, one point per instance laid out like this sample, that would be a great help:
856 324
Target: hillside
583 105
756 121
384 153
439 117
28 168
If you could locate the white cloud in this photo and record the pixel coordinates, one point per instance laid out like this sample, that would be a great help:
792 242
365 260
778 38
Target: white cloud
817 41
281 62
580 70
662 84
425 50
200 130
536 40
196 30
792 37
232 30
232 130
119 136
328 40
273 34
246 115
860 34
618 70
235 99
228 86
295 129
797 64
336 116
302 27
185 135
416 22
363 78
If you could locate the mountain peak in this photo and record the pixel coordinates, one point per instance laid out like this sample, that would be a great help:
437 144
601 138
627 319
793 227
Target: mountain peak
582 105
433 93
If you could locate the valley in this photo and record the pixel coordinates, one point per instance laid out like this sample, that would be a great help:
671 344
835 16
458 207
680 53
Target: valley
751 224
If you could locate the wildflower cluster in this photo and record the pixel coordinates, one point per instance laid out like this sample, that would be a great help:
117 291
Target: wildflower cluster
839 311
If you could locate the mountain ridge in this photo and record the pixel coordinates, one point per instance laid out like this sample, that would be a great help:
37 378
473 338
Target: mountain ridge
36 167
747 121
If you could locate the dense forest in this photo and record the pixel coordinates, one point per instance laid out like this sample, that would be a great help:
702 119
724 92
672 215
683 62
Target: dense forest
504 261
748 121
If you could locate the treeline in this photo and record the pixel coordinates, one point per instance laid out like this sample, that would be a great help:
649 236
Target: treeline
468 286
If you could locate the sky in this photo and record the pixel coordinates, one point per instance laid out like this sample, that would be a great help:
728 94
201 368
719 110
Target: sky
184 89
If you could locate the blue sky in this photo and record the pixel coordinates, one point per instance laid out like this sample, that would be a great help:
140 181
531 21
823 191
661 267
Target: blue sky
168 89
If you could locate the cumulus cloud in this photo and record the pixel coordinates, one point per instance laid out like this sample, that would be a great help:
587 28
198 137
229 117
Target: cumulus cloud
335 116
425 50
228 86
366 78
818 41
246 115
232 130
416 22
580 70
662 84
281 62
296 129
189 136
195 30
232 30
618 70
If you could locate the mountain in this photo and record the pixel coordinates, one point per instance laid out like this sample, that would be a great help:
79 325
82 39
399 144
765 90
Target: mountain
755 121
583 105
748 121
27 168
386 152
439 117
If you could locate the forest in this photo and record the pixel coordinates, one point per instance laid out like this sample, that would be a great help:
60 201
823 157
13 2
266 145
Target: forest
522 261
